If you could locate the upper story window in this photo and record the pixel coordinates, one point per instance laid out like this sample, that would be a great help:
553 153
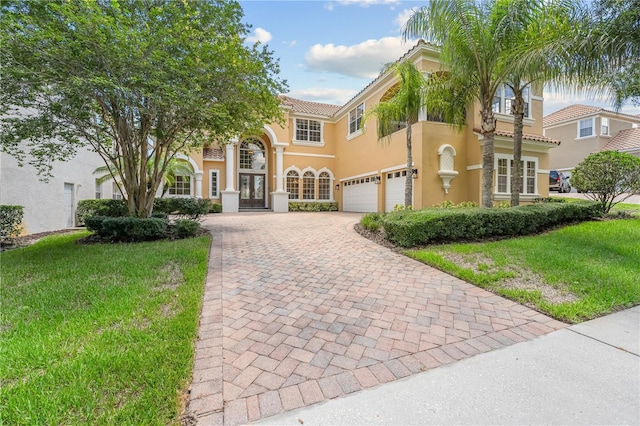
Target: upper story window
355 118
586 128
252 155
308 131
504 99
604 126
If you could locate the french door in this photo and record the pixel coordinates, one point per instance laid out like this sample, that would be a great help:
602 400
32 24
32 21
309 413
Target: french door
252 190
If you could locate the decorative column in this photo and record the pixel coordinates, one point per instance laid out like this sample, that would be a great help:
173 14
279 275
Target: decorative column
198 176
280 198
230 197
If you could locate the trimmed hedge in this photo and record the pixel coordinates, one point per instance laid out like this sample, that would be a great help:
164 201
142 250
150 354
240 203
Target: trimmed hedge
312 206
128 229
104 207
186 228
10 220
421 227
191 208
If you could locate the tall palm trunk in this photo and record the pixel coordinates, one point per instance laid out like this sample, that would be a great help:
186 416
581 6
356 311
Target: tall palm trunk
488 131
516 170
408 184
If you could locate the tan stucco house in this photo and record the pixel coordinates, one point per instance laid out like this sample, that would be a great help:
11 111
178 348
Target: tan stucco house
584 130
321 154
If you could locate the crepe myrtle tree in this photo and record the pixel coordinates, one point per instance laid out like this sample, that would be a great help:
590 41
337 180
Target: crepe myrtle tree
138 81
608 177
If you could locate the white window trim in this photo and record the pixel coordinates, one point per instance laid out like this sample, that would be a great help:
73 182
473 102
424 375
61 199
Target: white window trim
191 189
524 160
502 114
296 141
214 194
358 131
602 126
593 128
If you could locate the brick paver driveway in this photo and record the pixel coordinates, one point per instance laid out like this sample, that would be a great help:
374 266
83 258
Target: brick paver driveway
299 308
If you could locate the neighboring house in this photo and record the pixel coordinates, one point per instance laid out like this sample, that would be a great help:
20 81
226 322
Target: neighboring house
627 140
49 206
320 154
583 130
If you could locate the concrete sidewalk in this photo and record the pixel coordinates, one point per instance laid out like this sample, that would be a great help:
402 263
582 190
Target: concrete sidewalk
584 374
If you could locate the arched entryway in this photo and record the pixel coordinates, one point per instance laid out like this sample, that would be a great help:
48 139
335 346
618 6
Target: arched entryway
252 174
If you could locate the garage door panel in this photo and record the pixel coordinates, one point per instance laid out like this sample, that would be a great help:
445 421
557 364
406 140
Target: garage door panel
360 195
394 189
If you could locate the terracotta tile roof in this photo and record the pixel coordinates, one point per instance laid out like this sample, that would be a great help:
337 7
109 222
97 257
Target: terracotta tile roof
298 105
535 138
625 140
576 111
212 153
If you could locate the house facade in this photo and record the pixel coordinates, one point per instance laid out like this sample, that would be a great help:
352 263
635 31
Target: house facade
51 205
321 154
584 130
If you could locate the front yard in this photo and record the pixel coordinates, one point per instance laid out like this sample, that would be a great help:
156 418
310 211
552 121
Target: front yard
98 334
575 273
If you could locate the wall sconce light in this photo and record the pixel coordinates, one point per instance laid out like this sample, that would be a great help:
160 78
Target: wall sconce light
376 180
414 174
337 187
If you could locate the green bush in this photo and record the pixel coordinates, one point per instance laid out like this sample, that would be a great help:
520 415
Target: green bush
312 206
188 208
372 221
186 228
103 207
10 220
549 200
128 229
215 208
448 204
414 228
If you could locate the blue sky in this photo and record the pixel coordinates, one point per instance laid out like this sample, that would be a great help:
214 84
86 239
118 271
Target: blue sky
330 50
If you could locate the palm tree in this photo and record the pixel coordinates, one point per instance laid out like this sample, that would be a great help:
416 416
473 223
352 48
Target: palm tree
401 110
471 53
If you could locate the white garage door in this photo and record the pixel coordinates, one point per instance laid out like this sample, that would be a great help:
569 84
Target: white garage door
394 189
360 195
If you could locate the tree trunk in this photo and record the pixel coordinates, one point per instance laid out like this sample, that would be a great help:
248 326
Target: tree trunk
488 131
408 184
516 170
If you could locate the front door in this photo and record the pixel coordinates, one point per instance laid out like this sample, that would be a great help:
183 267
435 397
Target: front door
252 190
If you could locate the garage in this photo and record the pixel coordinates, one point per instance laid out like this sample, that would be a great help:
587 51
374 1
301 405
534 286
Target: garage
394 189
360 195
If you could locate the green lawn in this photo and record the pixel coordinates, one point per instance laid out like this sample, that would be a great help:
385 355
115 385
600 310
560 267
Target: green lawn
573 274
98 334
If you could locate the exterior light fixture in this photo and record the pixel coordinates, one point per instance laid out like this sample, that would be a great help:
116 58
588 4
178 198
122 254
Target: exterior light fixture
376 180
337 187
414 173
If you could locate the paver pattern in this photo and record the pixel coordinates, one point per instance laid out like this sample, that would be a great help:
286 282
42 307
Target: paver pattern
299 308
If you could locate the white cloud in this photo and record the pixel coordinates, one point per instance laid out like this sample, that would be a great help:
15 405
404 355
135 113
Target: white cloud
324 95
261 35
290 43
328 6
402 18
364 60
367 3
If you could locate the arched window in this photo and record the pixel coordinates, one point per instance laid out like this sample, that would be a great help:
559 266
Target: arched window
252 155
308 186
293 185
324 186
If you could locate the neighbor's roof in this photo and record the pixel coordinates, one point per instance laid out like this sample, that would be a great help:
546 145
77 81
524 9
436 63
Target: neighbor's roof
625 140
509 134
308 107
576 111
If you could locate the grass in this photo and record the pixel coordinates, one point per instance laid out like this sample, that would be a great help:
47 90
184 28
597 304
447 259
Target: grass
98 334
594 265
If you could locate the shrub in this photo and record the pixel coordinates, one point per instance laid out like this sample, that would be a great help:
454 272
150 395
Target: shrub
103 207
410 229
186 228
10 220
608 177
187 208
448 204
313 206
128 229
215 208
548 200
372 221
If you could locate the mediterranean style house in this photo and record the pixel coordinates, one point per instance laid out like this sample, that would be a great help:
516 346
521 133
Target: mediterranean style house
321 154
584 130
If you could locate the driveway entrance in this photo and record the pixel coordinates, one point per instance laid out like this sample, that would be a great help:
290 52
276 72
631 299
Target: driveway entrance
299 308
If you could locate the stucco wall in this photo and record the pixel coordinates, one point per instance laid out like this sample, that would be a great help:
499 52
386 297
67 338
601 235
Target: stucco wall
43 202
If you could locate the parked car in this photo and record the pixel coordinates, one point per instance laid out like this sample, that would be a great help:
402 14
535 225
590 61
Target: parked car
558 182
